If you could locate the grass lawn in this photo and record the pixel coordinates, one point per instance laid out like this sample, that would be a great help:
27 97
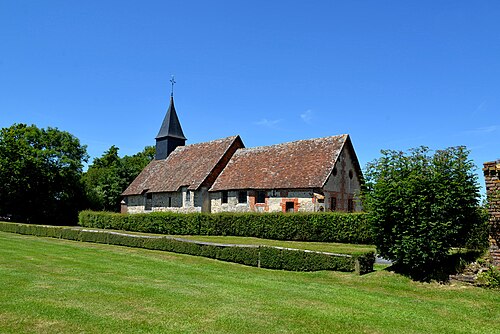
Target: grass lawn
331 247
58 286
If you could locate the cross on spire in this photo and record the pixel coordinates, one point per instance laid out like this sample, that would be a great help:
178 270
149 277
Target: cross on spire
173 82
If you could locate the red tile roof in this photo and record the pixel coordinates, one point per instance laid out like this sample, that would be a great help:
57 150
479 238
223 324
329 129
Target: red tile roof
186 166
302 164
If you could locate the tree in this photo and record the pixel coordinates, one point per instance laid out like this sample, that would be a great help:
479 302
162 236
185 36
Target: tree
422 205
40 173
109 176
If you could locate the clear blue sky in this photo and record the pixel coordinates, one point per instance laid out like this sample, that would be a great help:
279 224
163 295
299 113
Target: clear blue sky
392 74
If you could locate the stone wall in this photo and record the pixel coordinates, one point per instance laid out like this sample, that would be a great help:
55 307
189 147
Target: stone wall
343 185
275 201
161 202
492 177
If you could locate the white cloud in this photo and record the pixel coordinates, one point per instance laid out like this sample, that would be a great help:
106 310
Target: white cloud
268 123
483 130
307 116
479 108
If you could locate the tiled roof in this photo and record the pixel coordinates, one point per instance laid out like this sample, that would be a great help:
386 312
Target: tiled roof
187 166
302 164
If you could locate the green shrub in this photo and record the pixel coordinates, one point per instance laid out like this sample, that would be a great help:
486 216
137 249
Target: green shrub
8 227
298 260
364 263
318 226
422 204
70 234
266 257
490 278
94 236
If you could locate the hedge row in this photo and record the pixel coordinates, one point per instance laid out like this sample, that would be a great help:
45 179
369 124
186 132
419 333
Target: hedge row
257 256
322 227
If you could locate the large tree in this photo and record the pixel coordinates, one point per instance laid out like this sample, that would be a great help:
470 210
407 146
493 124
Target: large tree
109 176
422 205
40 174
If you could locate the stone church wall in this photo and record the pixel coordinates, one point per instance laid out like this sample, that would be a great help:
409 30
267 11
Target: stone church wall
492 177
343 184
160 203
275 201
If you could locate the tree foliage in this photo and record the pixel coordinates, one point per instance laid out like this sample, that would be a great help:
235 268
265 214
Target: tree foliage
422 205
109 176
40 174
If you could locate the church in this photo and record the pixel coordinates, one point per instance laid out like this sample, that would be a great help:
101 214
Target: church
222 175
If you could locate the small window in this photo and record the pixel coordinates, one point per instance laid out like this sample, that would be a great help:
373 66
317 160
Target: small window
169 201
350 205
261 197
188 196
242 197
334 171
224 196
333 203
290 207
148 202
351 174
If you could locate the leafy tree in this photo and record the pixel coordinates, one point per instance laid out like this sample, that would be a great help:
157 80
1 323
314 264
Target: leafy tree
422 205
109 176
40 173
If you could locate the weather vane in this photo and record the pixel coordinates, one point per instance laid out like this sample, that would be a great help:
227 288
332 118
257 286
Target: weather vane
173 82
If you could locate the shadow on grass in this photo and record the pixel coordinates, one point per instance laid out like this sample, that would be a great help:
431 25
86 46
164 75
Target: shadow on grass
439 271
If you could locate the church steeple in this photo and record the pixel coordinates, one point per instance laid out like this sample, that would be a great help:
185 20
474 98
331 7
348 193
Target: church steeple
170 135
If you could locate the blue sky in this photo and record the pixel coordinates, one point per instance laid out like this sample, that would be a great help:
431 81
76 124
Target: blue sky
392 74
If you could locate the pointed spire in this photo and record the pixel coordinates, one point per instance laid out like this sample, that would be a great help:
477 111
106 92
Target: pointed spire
171 127
170 135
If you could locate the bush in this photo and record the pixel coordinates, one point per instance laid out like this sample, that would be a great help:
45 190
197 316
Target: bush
490 278
262 256
298 260
321 227
422 205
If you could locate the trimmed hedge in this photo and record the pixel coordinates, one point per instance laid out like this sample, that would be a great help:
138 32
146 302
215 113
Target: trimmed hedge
318 226
257 256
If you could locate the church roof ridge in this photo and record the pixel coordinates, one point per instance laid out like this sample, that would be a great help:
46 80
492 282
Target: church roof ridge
291 143
214 141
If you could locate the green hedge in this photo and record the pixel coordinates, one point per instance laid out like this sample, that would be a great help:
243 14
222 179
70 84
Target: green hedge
257 256
322 227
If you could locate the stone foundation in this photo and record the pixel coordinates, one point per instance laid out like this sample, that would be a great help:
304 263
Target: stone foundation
492 177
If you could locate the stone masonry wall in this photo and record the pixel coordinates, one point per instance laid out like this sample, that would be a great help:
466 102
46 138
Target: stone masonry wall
275 201
492 177
343 184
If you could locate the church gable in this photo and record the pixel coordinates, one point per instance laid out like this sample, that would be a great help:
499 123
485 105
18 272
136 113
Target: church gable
303 164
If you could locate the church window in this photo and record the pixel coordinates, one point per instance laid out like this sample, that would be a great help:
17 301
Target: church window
333 203
261 197
290 207
224 196
188 196
350 205
351 174
149 202
169 201
242 197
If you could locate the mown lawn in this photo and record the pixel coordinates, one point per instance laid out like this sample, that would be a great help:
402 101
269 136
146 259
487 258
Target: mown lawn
58 286
331 247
